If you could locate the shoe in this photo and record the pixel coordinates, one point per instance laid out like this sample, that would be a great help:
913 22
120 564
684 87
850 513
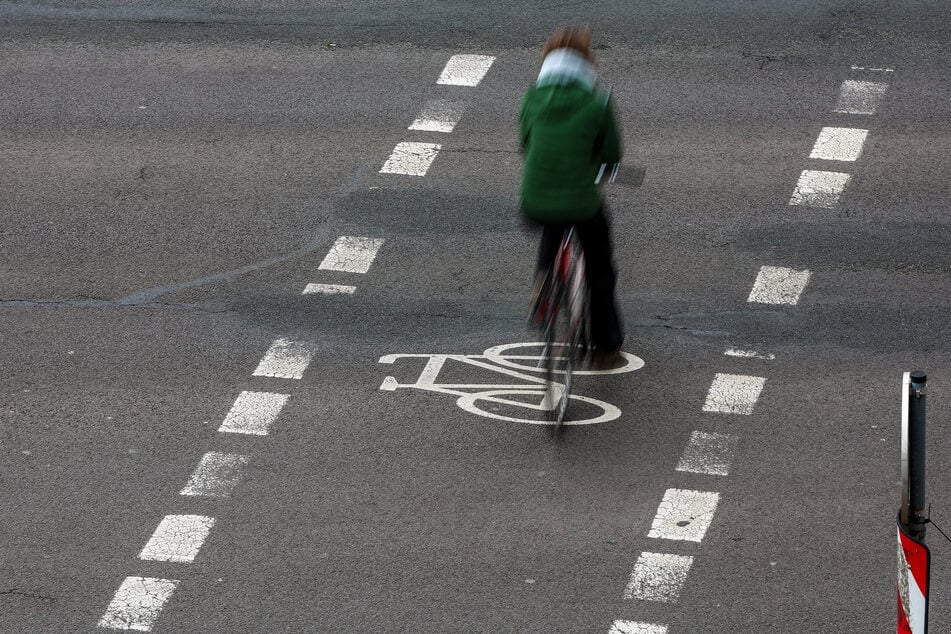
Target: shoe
606 359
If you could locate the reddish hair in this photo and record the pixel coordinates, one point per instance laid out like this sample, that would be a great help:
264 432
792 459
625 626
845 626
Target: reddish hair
577 38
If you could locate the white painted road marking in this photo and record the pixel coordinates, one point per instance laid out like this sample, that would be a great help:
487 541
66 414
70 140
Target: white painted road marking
329 289
465 70
684 515
635 627
658 577
778 285
178 538
817 188
877 70
411 158
839 144
438 115
216 475
860 97
285 359
351 254
750 354
527 398
733 393
708 453
138 603
253 413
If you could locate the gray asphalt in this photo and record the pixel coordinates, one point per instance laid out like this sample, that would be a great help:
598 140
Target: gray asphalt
173 175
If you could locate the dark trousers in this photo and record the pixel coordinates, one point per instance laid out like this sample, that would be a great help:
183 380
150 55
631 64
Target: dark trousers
595 236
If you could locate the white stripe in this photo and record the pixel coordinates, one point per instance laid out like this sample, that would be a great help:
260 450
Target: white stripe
684 515
733 393
465 70
438 115
285 359
178 538
635 627
351 254
138 603
253 413
708 453
216 475
839 144
329 289
860 97
778 285
411 158
750 354
877 70
816 188
658 577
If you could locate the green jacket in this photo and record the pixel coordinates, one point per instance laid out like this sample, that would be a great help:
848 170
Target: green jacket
567 132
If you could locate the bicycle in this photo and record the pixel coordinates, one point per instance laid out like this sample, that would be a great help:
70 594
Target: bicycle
563 313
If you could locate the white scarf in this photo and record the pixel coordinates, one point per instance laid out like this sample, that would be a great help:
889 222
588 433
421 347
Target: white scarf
564 65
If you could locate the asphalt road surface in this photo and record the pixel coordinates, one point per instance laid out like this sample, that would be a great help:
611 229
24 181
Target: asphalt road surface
211 266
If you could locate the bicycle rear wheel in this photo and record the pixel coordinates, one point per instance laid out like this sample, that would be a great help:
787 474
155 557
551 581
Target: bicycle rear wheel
559 362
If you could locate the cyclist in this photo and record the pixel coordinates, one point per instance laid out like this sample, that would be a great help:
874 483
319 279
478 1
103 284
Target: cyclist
568 131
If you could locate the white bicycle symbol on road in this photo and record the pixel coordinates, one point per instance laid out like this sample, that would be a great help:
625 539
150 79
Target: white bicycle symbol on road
501 400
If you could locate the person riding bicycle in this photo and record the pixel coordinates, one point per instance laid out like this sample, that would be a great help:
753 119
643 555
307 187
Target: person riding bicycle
568 132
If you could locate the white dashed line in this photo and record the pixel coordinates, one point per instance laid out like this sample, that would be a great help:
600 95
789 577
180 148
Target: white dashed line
817 188
876 70
733 394
253 413
351 254
658 577
329 289
778 285
708 454
684 515
750 354
285 359
411 158
839 144
860 97
465 70
438 115
216 475
177 538
138 603
635 627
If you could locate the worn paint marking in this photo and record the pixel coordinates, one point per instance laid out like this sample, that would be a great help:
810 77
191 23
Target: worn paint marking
839 144
138 603
708 453
285 359
438 115
817 188
177 538
733 393
465 70
658 577
684 515
351 254
411 158
216 475
860 97
778 285
636 627
253 413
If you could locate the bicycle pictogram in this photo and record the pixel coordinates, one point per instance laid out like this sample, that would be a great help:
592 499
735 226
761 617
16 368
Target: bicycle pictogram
520 402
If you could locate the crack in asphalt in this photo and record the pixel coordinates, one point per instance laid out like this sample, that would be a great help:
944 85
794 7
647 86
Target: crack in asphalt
27 595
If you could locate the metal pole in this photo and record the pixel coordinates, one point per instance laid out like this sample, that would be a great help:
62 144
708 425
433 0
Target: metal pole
917 513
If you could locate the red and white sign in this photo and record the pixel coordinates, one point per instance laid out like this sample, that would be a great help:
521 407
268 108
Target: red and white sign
914 561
